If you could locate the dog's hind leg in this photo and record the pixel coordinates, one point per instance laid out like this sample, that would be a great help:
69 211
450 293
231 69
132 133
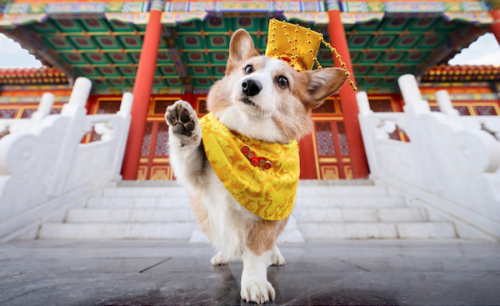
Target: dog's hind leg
276 257
219 259
187 155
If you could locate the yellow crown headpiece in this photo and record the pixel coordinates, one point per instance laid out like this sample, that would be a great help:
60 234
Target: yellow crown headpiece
301 50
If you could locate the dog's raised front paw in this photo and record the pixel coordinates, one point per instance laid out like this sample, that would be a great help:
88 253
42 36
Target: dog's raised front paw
257 291
219 259
182 118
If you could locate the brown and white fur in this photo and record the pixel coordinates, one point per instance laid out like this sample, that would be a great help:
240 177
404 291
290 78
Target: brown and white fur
259 103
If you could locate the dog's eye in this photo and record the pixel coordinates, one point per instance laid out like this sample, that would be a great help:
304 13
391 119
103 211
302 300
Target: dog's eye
283 82
248 69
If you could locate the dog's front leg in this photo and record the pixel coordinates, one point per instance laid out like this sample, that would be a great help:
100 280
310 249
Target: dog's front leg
186 149
254 284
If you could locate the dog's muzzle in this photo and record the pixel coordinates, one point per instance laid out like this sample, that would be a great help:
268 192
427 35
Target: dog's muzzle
251 87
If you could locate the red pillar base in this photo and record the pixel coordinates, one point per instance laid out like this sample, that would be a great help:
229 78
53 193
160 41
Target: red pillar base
348 101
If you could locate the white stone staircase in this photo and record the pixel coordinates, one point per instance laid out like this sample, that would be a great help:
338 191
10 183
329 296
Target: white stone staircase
361 210
324 210
155 211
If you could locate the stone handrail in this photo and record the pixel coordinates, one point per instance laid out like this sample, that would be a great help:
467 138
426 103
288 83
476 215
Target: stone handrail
450 162
20 125
46 167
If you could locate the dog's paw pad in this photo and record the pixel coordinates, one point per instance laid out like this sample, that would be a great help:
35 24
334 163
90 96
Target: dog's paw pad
219 260
181 118
257 291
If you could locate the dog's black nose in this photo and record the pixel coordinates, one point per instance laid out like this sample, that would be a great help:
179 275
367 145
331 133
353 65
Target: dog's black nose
251 87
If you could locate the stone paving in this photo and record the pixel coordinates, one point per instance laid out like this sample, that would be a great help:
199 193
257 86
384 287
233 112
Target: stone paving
316 273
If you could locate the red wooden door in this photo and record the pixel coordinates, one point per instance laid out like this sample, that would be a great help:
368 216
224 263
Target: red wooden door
331 151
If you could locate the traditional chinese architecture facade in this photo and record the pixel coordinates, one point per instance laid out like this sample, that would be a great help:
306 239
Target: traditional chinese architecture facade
166 51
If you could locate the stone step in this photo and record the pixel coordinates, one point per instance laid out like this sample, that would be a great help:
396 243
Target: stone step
307 202
358 191
100 231
356 182
303 191
350 201
336 215
410 230
145 202
129 215
139 192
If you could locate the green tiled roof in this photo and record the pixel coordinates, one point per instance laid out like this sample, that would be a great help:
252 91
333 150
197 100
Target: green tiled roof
192 55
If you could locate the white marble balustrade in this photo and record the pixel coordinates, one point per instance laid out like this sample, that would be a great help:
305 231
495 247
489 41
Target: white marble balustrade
44 166
451 164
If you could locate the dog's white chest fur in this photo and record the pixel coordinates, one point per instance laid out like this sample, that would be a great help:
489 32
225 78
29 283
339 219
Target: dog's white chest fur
258 128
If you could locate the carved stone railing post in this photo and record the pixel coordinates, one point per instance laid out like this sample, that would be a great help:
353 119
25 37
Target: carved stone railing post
445 105
363 103
367 132
411 95
124 112
75 109
43 108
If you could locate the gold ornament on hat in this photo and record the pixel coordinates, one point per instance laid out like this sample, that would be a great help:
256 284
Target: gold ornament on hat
299 56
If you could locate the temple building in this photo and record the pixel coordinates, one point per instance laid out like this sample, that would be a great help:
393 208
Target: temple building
413 154
166 51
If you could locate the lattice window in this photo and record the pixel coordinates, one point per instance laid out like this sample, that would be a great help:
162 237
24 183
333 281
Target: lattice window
162 139
485 110
324 139
344 146
108 107
381 106
146 140
55 111
28 112
327 107
202 106
462 110
7 113
161 106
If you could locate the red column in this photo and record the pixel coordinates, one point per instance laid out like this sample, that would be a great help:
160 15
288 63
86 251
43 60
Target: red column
348 99
142 93
495 27
307 159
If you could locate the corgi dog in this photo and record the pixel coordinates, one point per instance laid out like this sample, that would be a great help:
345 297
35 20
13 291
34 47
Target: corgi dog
262 98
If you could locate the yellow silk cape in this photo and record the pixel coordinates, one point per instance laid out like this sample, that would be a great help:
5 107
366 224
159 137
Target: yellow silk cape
269 194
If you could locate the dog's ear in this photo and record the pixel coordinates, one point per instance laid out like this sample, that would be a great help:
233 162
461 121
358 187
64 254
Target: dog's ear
323 83
241 47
